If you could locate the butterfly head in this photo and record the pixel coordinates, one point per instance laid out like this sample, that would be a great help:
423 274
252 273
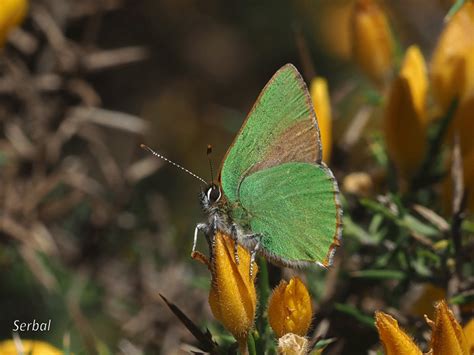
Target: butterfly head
211 196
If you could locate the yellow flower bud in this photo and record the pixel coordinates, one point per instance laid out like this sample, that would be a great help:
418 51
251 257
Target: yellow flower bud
32 347
322 15
232 297
12 13
289 308
372 43
394 340
405 115
447 336
452 65
469 333
322 106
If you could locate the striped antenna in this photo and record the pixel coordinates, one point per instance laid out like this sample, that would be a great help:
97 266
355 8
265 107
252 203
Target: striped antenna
171 162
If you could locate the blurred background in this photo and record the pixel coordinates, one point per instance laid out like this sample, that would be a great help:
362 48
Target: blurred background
92 227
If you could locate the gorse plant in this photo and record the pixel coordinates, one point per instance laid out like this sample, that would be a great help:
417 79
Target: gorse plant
406 229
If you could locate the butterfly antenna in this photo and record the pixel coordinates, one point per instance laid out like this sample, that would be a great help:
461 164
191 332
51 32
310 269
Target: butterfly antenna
209 152
171 162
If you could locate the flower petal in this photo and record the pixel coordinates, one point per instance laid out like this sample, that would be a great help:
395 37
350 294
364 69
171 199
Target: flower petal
322 106
289 308
292 344
395 341
452 66
232 297
405 114
12 13
469 333
33 347
373 47
447 336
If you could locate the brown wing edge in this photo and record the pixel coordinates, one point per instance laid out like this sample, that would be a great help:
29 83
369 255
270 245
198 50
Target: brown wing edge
308 100
303 85
337 238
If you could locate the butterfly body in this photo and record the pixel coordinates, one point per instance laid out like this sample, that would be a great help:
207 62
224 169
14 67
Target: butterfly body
274 195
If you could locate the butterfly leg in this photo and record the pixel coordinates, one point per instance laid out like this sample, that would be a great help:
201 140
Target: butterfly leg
233 234
253 252
199 227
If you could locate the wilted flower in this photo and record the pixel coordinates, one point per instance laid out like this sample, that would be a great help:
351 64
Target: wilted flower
292 344
405 120
32 347
447 337
452 66
12 12
289 308
358 183
372 43
322 106
232 297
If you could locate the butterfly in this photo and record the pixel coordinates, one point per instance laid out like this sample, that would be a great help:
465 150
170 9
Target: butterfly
274 195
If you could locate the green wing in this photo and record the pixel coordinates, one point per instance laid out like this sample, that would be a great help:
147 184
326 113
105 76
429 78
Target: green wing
295 207
281 127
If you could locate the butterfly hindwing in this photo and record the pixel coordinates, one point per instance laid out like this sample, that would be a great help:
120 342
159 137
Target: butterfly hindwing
294 207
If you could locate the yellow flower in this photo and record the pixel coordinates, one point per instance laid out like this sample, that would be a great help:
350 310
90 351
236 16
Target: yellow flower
405 120
322 106
289 308
447 337
372 43
469 333
12 13
322 15
420 301
232 297
32 347
452 65
394 340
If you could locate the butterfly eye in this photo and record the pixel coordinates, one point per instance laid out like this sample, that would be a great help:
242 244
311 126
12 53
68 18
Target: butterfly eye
214 194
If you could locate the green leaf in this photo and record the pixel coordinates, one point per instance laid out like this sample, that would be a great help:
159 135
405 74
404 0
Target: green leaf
416 225
468 226
455 8
354 230
321 344
407 221
251 345
462 298
355 313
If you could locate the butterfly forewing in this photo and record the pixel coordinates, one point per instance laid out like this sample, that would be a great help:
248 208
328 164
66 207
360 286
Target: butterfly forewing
281 127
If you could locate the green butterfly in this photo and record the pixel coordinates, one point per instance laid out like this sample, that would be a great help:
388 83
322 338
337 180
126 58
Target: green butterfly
274 195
